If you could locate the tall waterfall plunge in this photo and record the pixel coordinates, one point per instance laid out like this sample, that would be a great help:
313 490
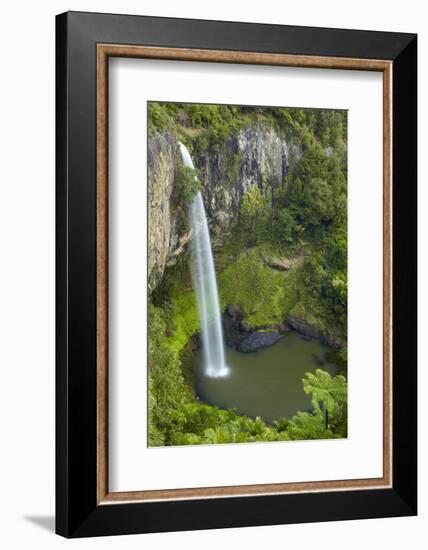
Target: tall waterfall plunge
205 283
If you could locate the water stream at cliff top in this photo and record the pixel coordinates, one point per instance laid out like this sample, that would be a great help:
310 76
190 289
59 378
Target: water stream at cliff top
205 284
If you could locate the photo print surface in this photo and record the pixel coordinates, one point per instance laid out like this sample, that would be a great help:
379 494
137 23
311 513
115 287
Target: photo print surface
247 274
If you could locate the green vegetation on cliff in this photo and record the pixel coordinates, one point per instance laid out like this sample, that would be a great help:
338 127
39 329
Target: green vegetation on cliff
307 219
187 183
202 125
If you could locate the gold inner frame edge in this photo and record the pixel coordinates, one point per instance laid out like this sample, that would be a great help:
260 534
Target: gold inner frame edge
104 52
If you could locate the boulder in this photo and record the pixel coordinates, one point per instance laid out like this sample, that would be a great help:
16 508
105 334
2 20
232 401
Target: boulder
309 331
281 263
243 327
258 340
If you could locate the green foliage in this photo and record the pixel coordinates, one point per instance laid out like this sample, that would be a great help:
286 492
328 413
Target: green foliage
319 182
184 320
286 231
325 389
155 436
323 292
207 125
308 426
307 125
209 425
263 220
203 424
265 295
219 120
317 202
281 425
212 124
187 183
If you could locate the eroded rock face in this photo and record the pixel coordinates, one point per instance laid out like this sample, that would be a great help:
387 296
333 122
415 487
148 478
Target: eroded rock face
165 228
256 156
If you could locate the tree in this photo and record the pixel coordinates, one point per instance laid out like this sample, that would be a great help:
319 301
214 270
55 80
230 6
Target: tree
187 183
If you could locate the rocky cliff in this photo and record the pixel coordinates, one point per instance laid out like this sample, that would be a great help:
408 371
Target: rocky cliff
255 156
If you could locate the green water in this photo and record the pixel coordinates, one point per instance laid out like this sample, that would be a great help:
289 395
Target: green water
267 383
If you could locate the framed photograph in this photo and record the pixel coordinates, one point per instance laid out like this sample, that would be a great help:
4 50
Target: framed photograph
236 274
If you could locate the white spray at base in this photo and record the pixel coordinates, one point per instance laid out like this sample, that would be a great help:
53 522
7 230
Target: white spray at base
205 283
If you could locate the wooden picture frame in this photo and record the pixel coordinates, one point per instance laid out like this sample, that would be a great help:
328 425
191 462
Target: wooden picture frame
84 505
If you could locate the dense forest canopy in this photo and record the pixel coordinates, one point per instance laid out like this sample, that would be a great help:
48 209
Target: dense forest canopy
303 219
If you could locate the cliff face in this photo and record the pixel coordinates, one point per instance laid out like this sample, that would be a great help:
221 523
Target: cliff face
256 156
164 222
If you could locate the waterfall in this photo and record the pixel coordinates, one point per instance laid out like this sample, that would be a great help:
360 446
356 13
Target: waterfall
205 284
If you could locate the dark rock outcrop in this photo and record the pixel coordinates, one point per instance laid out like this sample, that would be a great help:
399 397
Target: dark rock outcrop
258 340
233 335
167 235
308 330
195 342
